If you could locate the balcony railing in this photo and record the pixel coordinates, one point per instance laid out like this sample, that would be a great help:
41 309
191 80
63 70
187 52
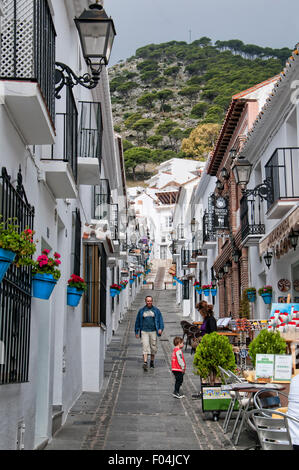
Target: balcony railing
180 232
251 214
91 130
101 201
185 256
66 147
15 291
28 46
283 170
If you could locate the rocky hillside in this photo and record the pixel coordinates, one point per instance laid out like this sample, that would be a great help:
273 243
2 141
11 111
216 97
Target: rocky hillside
166 90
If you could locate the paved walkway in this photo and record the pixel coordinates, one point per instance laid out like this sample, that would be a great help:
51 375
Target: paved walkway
136 409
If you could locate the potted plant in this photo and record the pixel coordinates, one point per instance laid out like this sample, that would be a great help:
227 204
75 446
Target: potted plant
76 288
267 342
213 291
266 293
251 294
115 289
197 287
45 274
213 351
15 246
206 289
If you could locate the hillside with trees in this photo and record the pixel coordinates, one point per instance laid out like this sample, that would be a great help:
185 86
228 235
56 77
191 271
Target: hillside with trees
170 99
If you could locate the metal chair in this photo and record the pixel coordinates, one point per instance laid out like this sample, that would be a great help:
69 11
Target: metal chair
259 402
185 325
230 378
190 334
272 401
273 433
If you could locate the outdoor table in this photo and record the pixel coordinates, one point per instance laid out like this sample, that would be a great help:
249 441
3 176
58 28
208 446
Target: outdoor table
251 389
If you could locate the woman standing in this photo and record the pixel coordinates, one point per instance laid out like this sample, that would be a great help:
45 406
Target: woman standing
209 324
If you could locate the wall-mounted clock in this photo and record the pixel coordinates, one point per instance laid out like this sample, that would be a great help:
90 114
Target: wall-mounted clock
221 202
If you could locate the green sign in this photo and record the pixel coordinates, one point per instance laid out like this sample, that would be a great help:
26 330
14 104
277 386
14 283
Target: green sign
264 366
283 368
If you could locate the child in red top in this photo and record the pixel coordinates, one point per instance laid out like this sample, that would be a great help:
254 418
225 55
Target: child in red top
178 365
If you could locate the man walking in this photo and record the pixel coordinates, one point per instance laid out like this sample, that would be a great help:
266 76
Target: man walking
149 324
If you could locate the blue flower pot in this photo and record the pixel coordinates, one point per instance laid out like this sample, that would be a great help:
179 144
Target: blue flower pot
144 282
251 296
43 286
7 257
214 292
267 298
174 283
131 281
206 292
113 293
74 296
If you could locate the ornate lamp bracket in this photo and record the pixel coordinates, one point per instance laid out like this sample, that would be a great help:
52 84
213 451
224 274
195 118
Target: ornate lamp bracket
263 190
64 76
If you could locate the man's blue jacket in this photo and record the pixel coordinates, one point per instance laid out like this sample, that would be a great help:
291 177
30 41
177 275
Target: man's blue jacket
158 320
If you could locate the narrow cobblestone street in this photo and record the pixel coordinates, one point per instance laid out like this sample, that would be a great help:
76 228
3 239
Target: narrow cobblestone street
136 409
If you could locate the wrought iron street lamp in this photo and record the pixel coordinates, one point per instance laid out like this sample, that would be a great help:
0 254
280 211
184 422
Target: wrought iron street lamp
219 185
97 33
268 259
236 255
226 267
193 225
220 273
293 237
232 154
242 170
224 173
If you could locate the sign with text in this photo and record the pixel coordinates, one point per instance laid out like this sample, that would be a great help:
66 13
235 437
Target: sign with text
264 366
282 368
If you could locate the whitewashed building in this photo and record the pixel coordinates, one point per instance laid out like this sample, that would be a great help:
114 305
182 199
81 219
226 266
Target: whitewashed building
62 158
272 148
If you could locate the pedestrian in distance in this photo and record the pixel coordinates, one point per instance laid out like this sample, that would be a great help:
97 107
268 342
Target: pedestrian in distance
148 326
178 365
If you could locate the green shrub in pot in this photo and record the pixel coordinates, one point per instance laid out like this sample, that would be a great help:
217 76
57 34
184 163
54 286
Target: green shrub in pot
267 342
214 350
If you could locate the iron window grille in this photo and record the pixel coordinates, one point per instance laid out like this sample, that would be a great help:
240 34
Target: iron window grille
77 243
15 290
66 147
101 201
91 130
282 170
114 221
186 290
27 51
185 256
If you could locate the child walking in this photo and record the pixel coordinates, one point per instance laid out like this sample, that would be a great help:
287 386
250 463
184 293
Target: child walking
178 365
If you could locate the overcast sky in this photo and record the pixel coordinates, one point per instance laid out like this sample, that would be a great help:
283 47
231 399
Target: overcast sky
272 23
